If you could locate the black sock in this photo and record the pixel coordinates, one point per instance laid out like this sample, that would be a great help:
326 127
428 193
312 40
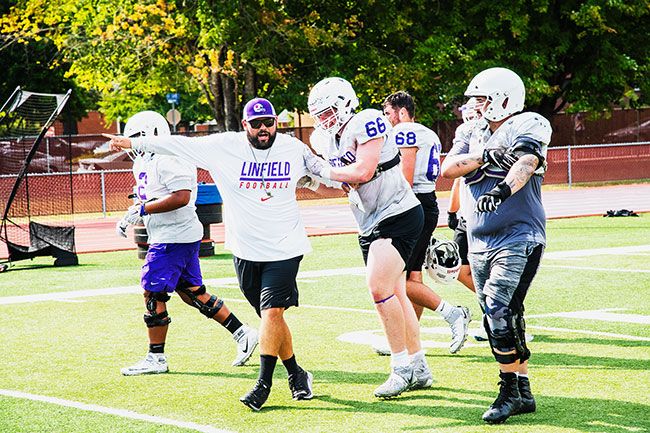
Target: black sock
267 365
157 348
291 365
231 323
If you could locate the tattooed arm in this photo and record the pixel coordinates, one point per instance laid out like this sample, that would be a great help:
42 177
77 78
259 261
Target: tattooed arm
459 165
517 177
521 172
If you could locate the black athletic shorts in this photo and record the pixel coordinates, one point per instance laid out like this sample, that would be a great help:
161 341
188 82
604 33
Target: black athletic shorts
460 237
402 229
268 284
430 208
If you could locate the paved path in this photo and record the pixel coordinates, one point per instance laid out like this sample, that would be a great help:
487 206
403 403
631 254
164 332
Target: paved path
99 235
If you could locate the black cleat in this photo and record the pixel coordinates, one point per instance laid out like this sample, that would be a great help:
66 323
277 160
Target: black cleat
508 401
528 404
300 385
257 396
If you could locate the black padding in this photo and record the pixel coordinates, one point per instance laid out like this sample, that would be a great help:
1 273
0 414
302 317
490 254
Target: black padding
530 146
210 308
501 341
153 320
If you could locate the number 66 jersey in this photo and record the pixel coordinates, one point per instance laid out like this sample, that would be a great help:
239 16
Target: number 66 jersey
387 193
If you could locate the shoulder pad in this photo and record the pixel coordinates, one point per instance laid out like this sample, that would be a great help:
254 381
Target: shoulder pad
531 125
367 125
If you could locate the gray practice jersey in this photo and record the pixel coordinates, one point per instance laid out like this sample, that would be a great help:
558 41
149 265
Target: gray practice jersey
521 217
386 195
156 177
427 158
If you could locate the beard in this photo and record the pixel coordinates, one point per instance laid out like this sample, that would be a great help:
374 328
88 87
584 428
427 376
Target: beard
255 141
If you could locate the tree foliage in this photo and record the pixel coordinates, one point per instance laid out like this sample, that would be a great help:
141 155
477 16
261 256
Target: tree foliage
573 54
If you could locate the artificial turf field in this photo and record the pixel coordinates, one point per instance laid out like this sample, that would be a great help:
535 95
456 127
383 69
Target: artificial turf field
589 312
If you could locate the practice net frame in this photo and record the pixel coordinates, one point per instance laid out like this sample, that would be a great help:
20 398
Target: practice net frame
35 180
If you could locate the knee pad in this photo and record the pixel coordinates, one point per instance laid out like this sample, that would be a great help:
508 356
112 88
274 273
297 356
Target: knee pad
211 306
519 325
498 324
151 317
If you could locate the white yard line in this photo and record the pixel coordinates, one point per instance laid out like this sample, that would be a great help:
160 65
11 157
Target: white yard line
112 411
582 331
588 268
597 252
60 296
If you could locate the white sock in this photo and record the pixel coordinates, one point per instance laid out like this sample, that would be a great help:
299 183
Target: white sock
522 375
444 309
400 359
417 356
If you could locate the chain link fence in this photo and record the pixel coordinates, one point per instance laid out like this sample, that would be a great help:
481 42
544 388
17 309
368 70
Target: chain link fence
102 180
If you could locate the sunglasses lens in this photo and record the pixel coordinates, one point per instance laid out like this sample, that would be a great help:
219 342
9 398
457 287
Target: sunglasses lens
257 123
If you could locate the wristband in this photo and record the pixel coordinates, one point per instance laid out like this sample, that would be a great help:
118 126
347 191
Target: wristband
143 211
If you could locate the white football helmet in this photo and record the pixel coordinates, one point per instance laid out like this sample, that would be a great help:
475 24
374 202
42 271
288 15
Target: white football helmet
145 124
503 89
442 260
470 110
331 103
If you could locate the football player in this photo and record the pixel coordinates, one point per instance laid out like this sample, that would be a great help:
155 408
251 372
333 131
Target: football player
504 164
419 149
388 214
166 191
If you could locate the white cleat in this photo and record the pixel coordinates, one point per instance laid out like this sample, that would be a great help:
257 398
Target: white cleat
153 363
422 377
459 324
399 381
246 338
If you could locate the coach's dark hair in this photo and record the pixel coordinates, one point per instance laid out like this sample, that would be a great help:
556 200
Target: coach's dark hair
401 99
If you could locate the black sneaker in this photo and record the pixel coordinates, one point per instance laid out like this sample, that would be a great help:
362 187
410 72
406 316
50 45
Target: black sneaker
300 385
508 401
257 396
528 404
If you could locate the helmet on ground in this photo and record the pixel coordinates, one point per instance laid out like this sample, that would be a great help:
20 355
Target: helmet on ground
331 103
470 110
503 89
146 124
442 260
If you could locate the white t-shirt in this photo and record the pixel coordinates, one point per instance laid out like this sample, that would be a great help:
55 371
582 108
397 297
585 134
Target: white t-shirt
157 176
259 227
386 195
427 157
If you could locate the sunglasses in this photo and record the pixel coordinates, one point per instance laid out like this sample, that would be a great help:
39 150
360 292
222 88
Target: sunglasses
257 123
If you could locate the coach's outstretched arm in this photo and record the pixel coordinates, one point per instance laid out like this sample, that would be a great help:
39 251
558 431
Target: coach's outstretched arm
196 150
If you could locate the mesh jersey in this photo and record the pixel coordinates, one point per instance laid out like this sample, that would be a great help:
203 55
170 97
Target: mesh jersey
258 227
157 176
427 158
387 194
521 217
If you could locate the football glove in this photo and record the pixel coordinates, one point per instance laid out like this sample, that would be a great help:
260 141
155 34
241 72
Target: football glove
452 220
120 227
134 213
490 201
500 157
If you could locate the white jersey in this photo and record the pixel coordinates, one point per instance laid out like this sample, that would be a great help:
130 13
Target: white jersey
259 226
386 195
427 157
156 177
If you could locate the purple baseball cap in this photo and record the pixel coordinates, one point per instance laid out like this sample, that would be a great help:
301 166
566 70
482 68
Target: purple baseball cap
258 107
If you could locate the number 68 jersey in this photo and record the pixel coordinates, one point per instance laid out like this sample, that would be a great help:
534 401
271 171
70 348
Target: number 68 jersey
388 193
